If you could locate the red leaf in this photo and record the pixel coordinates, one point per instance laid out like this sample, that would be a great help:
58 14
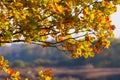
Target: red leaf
60 38
48 72
111 27
107 19
99 51
11 71
96 49
70 49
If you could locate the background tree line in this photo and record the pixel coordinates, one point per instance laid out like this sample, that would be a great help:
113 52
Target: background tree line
22 55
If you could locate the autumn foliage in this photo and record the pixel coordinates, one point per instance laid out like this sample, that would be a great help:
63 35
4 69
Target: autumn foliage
81 27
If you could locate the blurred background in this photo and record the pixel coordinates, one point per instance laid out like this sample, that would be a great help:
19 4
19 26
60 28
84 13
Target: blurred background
30 59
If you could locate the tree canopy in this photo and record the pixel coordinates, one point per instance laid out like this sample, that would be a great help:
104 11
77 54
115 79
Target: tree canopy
81 27
71 25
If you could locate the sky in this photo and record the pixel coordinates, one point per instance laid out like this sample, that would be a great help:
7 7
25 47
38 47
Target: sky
116 21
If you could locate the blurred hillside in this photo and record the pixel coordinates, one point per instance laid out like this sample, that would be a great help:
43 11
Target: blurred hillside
22 55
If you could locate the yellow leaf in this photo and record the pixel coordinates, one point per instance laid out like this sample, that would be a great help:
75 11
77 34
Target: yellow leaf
40 73
91 54
48 78
18 4
85 55
56 1
52 1
1 58
17 74
69 2
26 79
92 16
68 37
87 10
43 38
58 9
